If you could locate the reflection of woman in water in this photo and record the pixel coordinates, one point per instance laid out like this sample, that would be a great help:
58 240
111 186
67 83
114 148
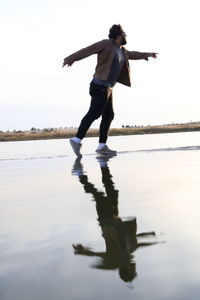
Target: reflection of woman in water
120 236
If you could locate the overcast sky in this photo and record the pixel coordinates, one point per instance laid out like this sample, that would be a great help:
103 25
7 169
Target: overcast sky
35 91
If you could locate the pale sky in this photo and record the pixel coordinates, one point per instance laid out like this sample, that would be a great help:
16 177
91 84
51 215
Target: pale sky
35 91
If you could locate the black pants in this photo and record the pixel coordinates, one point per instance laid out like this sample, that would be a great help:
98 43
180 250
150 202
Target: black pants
101 105
106 203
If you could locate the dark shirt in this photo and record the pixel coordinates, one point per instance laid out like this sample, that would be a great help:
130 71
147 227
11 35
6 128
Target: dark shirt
115 70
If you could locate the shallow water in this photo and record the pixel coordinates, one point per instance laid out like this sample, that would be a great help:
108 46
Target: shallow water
72 229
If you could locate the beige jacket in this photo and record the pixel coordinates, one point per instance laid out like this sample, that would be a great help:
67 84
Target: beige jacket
105 51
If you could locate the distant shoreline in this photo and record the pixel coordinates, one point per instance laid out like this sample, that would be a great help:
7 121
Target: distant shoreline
68 133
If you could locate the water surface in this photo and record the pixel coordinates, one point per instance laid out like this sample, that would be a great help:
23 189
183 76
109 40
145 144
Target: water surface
126 227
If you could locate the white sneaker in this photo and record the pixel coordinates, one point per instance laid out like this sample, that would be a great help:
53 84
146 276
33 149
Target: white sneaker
106 151
76 147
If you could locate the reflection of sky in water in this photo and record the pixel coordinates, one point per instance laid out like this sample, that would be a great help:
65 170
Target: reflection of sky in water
44 210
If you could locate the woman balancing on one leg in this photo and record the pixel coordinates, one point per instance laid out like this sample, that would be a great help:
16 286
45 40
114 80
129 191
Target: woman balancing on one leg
112 66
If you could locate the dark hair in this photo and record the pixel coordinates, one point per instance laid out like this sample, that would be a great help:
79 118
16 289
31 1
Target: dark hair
115 30
128 273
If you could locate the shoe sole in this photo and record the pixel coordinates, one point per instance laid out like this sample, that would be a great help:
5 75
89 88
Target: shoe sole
106 153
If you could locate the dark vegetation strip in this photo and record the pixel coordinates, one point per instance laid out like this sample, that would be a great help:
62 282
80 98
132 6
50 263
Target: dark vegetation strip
24 136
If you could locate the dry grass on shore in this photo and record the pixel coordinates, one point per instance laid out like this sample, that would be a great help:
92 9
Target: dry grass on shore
61 134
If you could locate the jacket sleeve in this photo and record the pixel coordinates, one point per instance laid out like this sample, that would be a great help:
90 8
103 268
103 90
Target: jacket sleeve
137 55
85 52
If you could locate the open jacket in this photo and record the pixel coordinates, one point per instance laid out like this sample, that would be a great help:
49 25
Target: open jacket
105 51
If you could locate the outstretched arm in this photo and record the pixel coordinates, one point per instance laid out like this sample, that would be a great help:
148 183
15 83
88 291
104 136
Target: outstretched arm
140 55
80 249
145 244
83 53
